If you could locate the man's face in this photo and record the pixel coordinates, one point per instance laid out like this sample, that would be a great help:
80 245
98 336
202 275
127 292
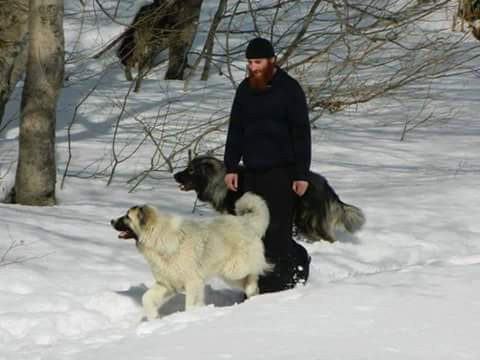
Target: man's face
258 67
261 71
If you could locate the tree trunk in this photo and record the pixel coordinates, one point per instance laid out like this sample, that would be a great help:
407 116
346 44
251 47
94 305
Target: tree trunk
13 46
222 6
36 169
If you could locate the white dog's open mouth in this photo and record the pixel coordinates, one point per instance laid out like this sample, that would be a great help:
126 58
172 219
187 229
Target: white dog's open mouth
127 234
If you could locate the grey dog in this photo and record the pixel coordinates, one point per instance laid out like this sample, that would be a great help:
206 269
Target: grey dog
317 213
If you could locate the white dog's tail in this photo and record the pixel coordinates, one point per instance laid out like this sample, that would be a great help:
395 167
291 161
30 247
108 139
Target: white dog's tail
254 209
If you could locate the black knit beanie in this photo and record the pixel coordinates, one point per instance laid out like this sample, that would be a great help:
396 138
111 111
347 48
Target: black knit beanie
259 48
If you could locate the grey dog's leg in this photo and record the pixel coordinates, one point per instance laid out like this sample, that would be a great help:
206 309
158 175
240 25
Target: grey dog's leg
128 73
155 297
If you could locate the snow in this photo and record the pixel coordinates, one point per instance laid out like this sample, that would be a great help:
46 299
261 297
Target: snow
405 287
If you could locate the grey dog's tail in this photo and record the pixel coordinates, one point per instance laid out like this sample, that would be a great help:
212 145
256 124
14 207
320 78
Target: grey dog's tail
352 218
255 210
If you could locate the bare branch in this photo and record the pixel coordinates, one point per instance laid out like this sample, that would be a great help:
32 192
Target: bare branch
12 247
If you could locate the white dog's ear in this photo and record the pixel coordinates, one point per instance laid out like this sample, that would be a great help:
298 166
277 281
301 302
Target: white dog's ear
142 214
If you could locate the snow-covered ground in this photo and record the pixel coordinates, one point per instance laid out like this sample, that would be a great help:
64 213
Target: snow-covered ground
406 287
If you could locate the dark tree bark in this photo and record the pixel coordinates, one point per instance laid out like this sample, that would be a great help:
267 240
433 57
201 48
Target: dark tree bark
13 46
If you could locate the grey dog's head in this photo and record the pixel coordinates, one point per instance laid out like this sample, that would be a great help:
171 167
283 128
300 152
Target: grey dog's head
199 173
132 223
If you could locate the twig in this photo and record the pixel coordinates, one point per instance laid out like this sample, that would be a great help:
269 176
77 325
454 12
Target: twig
11 247
69 131
116 161
298 39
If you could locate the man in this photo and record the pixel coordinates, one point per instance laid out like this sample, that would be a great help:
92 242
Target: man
269 131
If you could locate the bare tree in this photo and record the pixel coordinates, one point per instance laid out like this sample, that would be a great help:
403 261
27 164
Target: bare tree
348 52
344 52
13 46
7 256
208 48
36 170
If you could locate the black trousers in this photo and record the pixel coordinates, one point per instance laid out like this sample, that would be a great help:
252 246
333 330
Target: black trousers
291 260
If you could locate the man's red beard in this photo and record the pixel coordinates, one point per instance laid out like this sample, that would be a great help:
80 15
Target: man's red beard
260 80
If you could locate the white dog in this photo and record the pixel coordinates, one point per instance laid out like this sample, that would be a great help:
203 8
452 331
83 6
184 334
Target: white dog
183 254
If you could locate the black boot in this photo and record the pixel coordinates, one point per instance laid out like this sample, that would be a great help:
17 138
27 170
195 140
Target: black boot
288 273
301 263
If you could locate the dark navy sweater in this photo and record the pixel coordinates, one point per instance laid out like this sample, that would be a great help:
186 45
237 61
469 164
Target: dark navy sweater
270 128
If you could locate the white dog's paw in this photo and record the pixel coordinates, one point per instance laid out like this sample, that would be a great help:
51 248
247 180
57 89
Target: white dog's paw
150 311
251 290
149 316
146 319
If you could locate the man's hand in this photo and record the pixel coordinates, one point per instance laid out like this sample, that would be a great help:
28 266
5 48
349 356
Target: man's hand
231 180
300 186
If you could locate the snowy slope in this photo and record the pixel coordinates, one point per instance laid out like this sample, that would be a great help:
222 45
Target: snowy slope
405 287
